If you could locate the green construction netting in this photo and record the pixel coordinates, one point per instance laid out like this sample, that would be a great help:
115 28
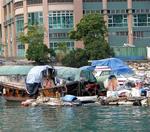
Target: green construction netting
15 70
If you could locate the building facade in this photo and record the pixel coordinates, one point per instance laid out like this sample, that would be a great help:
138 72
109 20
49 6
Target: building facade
128 21
0 29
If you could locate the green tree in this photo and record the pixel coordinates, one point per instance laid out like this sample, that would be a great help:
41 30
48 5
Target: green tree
92 31
52 52
37 51
76 58
34 35
61 51
91 26
63 47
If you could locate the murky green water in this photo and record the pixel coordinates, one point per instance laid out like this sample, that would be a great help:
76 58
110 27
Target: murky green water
14 118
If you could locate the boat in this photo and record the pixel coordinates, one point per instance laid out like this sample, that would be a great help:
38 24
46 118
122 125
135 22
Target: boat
12 81
16 90
133 101
80 82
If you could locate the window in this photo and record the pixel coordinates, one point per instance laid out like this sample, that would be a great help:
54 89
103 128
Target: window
141 0
35 18
19 24
20 49
21 46
91 11
147 10
141 20
117 0
0 32
18 4
92 0
70 44
138 34
58 35
61 19
30 2
148 20
122 11
117 21
140 11
122 33
53 1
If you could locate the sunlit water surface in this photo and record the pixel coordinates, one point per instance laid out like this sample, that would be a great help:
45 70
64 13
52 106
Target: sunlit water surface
88 118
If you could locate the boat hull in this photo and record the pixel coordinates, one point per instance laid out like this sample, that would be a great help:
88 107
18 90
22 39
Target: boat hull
15 93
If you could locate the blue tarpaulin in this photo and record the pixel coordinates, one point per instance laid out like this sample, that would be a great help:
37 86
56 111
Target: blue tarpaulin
90 68
117 65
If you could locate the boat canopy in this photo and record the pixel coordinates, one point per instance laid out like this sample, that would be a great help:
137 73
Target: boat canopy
35 74
15 70
74 74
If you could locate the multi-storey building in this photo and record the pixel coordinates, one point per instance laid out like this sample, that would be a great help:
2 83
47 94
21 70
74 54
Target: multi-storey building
128 21
0 28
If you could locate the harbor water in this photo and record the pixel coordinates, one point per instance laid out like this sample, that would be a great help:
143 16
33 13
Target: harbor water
87 118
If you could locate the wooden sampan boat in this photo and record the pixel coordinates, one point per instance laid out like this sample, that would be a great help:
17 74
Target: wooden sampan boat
17 92
14 92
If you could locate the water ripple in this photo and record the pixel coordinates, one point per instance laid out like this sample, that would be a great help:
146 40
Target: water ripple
15 118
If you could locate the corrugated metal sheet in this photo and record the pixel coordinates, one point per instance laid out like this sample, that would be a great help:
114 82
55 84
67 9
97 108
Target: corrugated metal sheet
14 70
130 53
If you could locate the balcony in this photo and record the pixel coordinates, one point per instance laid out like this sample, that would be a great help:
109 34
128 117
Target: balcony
6 2
9 21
